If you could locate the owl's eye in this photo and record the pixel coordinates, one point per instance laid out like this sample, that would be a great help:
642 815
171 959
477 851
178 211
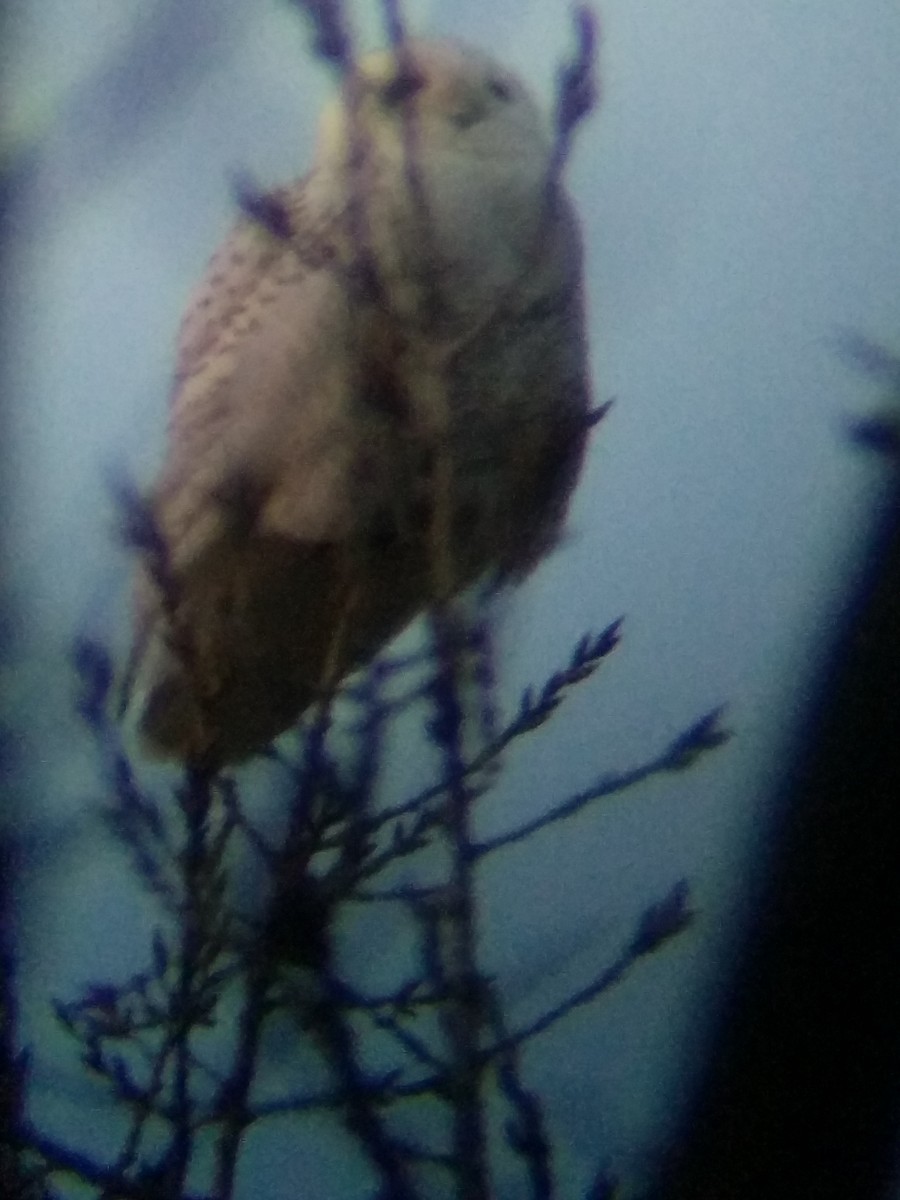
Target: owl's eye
500 89
402 87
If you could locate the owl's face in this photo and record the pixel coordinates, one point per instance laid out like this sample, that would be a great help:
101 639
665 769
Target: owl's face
450 159
458 100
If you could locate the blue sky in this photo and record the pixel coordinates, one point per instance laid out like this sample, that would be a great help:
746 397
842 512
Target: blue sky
739 190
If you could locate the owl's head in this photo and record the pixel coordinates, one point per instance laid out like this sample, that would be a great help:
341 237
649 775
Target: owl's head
458 101
447 157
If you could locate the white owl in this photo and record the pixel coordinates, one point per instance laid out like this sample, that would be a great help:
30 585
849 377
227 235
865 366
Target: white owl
381 393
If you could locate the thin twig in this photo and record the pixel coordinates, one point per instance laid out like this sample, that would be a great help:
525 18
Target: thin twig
699 738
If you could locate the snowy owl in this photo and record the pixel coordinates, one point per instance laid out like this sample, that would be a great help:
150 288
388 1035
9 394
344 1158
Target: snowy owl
381 394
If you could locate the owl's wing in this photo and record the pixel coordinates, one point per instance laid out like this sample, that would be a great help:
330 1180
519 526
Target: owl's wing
261 426
264 375
282 226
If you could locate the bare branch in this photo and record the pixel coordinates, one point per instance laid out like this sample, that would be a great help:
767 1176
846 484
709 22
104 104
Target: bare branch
701 737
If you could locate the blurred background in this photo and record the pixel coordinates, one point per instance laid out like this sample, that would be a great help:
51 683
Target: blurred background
739 189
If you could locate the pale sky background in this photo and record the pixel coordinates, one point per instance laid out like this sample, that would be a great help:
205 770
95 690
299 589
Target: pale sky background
739 190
